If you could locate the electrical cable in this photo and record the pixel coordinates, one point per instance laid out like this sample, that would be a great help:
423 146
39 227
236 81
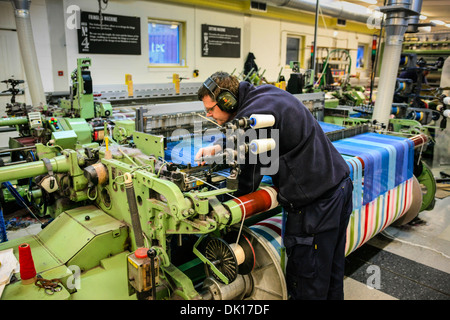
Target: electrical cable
19 199
374 67
242 203
391 237
210 120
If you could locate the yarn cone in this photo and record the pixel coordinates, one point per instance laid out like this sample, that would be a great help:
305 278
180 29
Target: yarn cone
27 269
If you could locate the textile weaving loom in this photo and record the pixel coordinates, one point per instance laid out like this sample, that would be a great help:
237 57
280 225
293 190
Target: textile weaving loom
148 203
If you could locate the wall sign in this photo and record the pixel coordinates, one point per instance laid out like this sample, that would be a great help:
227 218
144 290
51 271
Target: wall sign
221 42
114 35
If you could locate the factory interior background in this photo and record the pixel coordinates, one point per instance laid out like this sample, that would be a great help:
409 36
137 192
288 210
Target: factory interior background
84 83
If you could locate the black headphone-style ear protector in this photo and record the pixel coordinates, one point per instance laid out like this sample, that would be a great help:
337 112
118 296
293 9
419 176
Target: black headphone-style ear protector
225 99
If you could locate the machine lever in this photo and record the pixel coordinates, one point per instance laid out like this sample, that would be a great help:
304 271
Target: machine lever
151 253
135 220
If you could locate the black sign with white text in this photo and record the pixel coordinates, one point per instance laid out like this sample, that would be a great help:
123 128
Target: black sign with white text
221 42
112 35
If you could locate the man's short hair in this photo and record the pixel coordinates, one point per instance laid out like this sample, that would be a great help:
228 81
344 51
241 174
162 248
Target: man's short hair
223 80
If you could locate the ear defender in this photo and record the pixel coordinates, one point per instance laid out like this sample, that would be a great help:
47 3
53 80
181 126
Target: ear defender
225 99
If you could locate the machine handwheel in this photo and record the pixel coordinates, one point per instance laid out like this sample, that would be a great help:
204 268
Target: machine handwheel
428 185
221 255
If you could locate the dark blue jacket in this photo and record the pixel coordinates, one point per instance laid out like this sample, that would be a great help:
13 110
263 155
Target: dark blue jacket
309 166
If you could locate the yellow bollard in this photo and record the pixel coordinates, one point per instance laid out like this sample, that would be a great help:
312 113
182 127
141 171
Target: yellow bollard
129 83
176 81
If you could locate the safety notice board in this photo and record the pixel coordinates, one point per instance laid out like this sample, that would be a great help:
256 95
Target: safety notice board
112 34
218 41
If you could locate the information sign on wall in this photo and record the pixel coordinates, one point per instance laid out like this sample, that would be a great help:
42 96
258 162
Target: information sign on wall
112 35
218 41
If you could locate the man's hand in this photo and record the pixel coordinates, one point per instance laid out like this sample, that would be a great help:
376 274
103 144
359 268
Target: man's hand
205 152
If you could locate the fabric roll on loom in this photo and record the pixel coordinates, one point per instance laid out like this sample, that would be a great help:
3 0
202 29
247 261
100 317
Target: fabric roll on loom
382 173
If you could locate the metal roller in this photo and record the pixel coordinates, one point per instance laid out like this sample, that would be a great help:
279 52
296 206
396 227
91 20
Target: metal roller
249 255
266 279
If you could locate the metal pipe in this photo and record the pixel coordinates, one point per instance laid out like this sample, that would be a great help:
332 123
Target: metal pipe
338 9
17 149
316 22
28 51
13 121
396 22
14 163
413 21
33 169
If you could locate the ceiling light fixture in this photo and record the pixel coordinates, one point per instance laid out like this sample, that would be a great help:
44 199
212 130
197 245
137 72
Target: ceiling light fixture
438 22
369 1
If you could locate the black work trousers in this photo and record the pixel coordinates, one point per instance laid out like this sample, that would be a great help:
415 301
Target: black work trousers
315 238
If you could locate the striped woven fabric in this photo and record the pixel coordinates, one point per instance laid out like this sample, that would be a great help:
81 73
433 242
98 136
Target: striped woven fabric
271 230
386 161
381 169
375 216
365 222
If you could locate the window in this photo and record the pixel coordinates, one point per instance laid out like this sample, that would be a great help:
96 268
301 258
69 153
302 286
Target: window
360 56
165 43
292 49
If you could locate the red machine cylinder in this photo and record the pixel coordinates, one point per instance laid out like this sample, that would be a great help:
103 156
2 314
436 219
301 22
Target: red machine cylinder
419 139
250 204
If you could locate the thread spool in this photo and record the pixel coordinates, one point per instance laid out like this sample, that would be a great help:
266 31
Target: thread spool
262 145
243 252
418 115
261 121
447 100
96 174
401 86
27 269
395 110
238 252
403 61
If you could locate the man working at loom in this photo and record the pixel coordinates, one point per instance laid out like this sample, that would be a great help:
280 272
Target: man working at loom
315 190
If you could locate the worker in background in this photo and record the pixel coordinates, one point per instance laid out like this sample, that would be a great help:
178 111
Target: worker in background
315 190
413 74
417 75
